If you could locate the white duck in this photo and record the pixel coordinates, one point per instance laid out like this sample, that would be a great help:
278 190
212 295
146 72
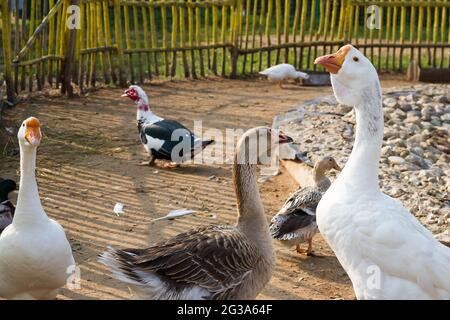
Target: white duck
282 72
34 252
384 249
210 262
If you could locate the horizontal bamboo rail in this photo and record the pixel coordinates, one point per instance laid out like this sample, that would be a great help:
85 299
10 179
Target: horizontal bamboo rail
121 41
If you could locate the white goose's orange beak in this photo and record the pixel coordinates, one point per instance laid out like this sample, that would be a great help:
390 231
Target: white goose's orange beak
333 62
33 131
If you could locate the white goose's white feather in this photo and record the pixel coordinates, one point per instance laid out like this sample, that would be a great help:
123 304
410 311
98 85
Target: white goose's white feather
35 255
384 249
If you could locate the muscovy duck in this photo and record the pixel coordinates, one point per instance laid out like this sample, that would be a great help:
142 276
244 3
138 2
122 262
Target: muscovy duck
6 206
163 139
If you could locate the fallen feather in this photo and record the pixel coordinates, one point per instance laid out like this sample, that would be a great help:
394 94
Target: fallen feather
118 209
174 214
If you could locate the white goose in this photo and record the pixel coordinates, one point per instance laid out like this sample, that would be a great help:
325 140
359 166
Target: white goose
282 72
34 252
384 249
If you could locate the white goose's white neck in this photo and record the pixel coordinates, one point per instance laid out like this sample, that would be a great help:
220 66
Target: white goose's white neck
363 165
144 114
29 209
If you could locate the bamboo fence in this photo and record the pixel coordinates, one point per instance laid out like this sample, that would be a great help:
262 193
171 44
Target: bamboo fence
131 41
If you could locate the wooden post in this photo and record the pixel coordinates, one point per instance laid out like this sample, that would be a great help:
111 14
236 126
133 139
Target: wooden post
6 38
66 86
237 14
118 32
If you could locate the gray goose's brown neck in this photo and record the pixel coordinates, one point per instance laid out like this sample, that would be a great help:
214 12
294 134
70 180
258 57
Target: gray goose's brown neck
251 216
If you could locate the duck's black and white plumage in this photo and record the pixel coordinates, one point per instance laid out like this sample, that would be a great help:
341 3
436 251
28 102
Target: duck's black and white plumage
7 208
209 262
295 223
163 139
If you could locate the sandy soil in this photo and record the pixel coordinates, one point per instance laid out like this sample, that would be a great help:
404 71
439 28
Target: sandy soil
88 161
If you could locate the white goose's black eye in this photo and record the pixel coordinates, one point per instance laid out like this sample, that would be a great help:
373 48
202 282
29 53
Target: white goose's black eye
355 59
23 124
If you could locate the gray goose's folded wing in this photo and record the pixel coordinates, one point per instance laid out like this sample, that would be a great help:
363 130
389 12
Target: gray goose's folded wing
216 258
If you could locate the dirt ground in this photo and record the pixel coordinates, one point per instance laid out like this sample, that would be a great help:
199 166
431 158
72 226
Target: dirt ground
88 161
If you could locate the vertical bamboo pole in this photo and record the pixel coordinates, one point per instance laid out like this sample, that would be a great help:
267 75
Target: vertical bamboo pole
254 15
23 41
365 28
105 4
247 26
371 35
38 45
183 42
101 43
137 41
268 20
380 38
287 15
16 45
93 66
30 33
174 40
207 36
295 29
223 32
236 13
261 30
419 34
355 24
428 29
388 33
435 33
118 38
164 39
278 28
190 40
6 39
443 20
45 43
394 34
144 26
87 57
154 38
311 30
327 19
321 20
321 26
81 36
412 27
128 40
198 42
333 19
66 86
302 31
342 20
402 32
214 39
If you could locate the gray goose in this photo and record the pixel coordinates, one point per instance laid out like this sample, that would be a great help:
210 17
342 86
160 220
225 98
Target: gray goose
210 262
295 223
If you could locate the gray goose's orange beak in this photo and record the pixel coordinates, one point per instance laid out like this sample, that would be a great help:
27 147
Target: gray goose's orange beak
333 62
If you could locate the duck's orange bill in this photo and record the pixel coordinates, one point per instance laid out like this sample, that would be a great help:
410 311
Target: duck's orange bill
333 62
